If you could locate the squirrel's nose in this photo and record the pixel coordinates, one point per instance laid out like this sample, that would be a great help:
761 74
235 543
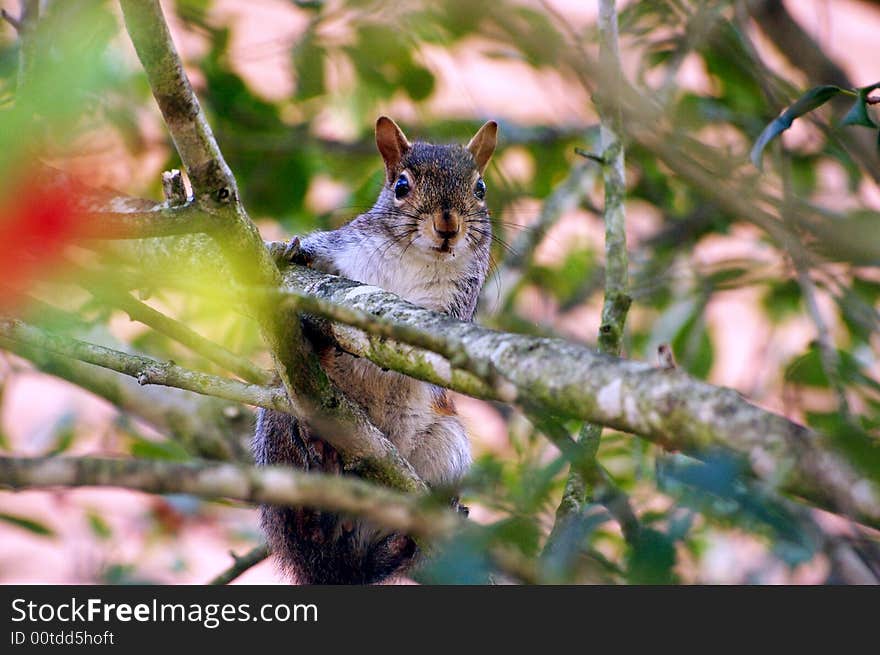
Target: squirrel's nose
446 224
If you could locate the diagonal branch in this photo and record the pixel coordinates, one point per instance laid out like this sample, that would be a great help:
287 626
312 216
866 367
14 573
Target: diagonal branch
377 459
208 427
145 369
569 194
143 313
241 563
193 138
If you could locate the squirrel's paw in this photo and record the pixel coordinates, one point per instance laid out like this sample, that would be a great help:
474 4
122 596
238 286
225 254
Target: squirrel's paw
291 252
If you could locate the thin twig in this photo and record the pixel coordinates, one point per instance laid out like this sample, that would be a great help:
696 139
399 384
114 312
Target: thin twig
585 484
143 313
240 564
828 355
12 20
566 196
829 359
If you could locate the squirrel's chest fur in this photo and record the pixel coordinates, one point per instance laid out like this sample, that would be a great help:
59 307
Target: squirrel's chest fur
421 278
417 417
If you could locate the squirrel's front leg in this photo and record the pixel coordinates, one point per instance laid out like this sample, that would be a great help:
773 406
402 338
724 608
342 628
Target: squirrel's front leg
290 252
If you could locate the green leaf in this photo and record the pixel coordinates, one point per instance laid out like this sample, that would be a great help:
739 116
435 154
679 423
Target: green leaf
815 97
651 559
464 560
807 370
518 530
862 449
64 434
719 490
858 113
308 61
30 525
693 347
99 526
782 300
165 450
418 81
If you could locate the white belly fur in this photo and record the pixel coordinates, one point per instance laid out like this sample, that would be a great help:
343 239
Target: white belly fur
401 407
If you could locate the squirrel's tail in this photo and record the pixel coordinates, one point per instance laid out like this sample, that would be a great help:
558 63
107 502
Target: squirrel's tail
316 547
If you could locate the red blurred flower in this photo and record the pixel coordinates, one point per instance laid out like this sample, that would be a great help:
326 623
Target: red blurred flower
37 220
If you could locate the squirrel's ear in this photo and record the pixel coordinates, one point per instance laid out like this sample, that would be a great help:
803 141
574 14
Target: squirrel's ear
483 144
392 145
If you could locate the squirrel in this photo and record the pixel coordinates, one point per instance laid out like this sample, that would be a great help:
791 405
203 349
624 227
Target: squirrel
427 239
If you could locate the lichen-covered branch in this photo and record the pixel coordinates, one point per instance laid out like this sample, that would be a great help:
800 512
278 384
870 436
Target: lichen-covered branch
380 327
614 174
667 407
275 485
158 222
208 427
145 369
193 138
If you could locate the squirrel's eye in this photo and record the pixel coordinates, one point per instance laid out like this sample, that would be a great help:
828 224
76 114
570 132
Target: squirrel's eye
401 187
480 189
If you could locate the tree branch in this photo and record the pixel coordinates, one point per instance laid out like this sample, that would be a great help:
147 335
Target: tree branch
566 196
193 138
667 407
143 313
241 563
145 369
9 18
583 485
207 427
272 485
159 222
313 397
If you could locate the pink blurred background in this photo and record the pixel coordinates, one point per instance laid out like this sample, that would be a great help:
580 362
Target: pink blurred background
166 540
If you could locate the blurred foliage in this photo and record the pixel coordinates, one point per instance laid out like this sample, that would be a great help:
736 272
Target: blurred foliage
355 59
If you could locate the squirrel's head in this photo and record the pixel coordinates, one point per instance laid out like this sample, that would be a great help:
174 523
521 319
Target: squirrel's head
435 194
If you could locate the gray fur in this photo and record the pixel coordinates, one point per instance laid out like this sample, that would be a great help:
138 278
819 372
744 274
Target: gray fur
391 246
